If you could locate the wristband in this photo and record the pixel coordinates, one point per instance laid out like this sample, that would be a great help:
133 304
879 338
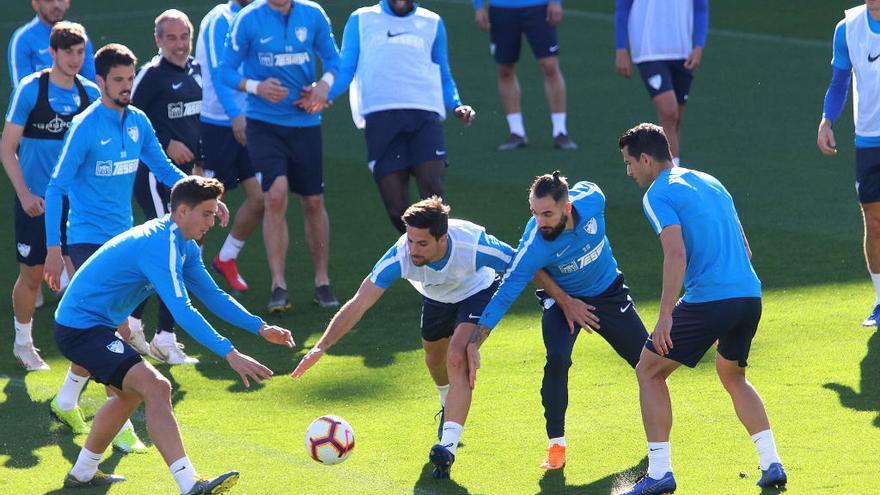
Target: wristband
328 78
251 86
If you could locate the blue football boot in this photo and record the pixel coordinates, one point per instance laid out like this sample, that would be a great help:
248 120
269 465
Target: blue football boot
873 319
650 486
442 459
773 476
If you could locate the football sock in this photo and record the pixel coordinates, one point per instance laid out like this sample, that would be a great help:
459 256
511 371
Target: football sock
557 441
23 332
558 120
451 436
443 390
86 465
165 338
68 395
184 474
126 426
231 248
875 278
515 122
766 446
659 459
676 161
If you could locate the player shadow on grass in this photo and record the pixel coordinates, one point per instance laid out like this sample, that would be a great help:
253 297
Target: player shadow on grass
427 485
868 399
553 481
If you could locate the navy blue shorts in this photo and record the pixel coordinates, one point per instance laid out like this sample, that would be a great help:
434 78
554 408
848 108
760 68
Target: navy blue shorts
439 320
868 174
696 326
30 234
225 158
402 139
620 324
80 253
508 24
107 357
293 152
661 76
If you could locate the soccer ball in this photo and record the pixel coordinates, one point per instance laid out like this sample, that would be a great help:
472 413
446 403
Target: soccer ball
329 440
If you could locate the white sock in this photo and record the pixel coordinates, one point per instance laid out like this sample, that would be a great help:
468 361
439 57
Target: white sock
23 332
557 441
166 338
766 448
443 390
68 395
126 426
451 436
135 324
875 278
184 474
86 465
231 248
558 120
515 122
65 278
659 459
676 161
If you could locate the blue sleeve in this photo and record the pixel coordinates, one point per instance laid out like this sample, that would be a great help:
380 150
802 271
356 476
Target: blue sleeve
440 56
621 23
88 67
164 269
701 22
73 155
235 48
215 299
387 269
351 51
835 97
528 260
840 59
494 253
154 156
22 102
19 58
659 211
325 44
215 38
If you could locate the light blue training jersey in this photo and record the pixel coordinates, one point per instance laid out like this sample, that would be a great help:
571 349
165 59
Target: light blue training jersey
718 265
266 44
38 156
28 52
579 260
96 170
152 258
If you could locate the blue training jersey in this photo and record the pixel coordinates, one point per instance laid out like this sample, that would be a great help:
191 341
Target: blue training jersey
351 50
491 252
152 258
515 4
96 170
28 52
579 260
718 265
266 44
220 103
38 156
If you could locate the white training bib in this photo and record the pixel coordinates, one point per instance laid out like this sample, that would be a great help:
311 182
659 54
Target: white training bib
864 51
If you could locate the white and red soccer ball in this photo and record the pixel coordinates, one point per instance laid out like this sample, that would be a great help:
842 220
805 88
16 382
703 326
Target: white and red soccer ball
329 439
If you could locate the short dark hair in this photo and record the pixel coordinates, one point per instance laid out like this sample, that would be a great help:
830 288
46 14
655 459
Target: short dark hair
113 55
194 190
552 184
648 139
66 34
429 214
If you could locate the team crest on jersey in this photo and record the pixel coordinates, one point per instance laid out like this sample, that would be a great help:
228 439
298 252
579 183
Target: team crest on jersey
592 226
116 347
301 34
133 133
23 249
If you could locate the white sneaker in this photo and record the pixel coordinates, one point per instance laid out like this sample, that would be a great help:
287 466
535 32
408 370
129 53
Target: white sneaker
138 342
29 357
171 354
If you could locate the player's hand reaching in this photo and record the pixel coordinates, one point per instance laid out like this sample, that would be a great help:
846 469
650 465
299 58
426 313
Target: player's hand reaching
481 17
623 63
239 129
465 113
661 335
248 368
825 140
579 313
223 213
313 98
554 13
272 90
694 59
178 152
277 335
308 361
473 352
53 267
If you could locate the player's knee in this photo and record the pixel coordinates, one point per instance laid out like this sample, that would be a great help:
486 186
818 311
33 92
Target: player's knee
275 201
645 372
506 71
435 360
456 361
31 279
668 114
557 361
312 205
550 68
158 390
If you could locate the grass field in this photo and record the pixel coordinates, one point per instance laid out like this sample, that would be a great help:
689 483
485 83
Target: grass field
751 122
